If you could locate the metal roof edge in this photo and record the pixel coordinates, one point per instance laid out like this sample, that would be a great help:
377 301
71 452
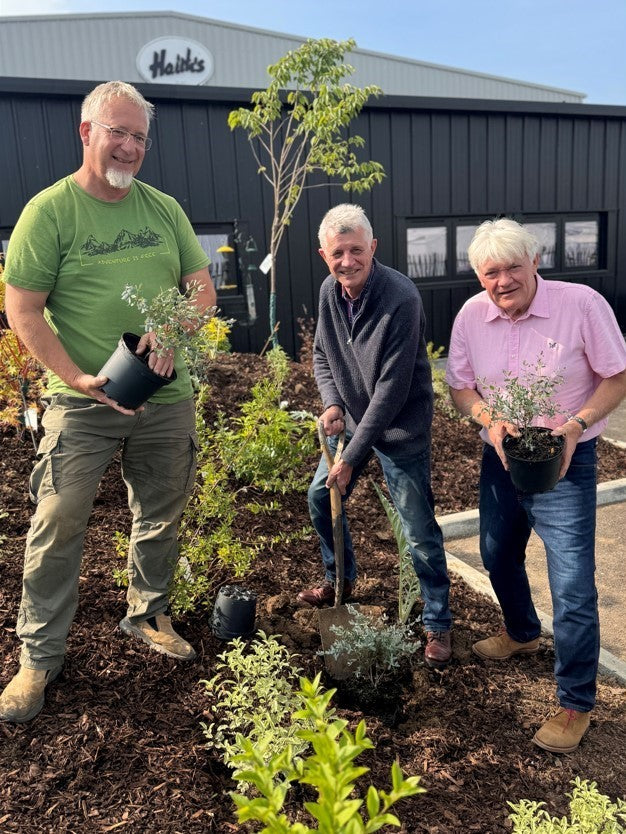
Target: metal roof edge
290 36
63 87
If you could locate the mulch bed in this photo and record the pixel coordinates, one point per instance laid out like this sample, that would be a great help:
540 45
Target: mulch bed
119 747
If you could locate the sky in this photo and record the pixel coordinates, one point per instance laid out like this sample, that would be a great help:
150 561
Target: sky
574 45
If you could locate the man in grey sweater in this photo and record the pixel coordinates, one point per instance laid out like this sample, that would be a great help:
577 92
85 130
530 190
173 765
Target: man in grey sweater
374 378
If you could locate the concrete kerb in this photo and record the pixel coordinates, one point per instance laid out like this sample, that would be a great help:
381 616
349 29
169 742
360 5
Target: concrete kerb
609 664
462 525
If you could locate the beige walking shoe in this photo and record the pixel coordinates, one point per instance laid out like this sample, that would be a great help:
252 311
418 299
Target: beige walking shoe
562 733
23 696
502 647
158 633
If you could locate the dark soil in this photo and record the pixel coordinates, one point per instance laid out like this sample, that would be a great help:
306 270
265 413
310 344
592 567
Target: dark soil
119 747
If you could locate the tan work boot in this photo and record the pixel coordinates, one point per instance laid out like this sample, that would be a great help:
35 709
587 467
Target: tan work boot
23 696
502 647
158 633
562 733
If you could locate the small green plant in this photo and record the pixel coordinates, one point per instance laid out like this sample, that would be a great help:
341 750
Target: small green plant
408 585
376 649
267 445
329 769
255 695
590 813
522 398
173 317
443 401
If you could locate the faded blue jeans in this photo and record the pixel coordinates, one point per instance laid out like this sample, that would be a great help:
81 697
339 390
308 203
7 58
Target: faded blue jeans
565 520
408 479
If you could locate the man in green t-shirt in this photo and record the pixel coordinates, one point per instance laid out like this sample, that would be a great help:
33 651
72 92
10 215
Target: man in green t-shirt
74 248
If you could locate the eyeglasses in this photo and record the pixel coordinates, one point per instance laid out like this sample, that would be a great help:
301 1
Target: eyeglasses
122 136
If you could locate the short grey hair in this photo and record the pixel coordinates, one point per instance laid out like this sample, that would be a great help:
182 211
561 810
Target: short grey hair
105 93
501 240
344 218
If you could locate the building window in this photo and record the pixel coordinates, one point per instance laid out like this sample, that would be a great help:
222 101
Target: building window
581 243
426 251
546 235
437 247
464 235
218 244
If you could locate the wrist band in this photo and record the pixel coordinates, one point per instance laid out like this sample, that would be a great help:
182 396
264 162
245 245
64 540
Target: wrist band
580 422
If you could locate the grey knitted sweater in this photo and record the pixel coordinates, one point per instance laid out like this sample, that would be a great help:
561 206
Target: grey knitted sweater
377 371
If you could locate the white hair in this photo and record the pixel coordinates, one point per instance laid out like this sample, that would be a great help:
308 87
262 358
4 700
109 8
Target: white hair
501 240
344 218
104 93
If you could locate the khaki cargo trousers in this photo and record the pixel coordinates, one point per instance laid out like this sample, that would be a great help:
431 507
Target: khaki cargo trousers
158 466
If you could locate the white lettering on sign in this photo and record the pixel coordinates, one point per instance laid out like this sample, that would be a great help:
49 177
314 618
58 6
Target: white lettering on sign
175 61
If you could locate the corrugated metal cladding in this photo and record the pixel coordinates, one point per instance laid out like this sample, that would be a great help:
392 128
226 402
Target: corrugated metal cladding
104 46
447 161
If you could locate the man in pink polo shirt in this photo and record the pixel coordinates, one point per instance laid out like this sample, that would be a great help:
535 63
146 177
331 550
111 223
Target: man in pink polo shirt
518 317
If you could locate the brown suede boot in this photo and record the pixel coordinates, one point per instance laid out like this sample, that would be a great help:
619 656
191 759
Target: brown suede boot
502 647
158 633
562 733
23 696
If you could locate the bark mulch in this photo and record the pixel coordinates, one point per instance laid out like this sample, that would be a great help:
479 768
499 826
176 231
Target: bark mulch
119 747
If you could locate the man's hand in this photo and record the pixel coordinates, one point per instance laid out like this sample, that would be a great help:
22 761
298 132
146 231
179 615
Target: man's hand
498 430
333 422
91 386
340 474
571 431
161 363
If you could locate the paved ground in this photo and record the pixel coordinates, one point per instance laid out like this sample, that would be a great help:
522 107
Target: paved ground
610 560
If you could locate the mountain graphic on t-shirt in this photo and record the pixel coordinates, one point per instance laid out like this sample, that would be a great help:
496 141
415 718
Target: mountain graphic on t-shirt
124 239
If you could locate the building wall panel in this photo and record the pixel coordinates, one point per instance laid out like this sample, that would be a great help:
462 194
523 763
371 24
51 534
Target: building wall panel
443 160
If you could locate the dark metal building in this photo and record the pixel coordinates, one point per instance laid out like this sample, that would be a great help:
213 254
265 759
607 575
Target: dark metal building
450 164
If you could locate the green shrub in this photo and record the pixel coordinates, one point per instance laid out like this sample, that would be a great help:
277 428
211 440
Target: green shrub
329 769
443 401
375 648
267 445
590 813
409 588
255 696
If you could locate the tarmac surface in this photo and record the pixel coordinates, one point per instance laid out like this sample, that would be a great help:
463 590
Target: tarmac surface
462 546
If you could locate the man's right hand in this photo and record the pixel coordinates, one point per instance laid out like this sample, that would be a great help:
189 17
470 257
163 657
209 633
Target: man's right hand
497 432
332 420
91 386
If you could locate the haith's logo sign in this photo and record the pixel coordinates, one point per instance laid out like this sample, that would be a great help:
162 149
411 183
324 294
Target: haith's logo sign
175 61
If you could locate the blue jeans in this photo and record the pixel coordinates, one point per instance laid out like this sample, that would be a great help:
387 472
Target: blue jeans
408 479
565 520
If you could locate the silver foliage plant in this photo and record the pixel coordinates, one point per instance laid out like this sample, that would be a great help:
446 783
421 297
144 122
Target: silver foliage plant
374 648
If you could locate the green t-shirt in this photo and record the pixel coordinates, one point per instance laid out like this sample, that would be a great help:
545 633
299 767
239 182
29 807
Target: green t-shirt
83 251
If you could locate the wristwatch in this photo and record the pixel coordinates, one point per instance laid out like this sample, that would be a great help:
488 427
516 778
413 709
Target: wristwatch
578 420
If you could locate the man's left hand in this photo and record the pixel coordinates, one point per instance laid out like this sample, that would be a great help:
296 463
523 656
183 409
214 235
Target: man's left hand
340 474
161 363
571 431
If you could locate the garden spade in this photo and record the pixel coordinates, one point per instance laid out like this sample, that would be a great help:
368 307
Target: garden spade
339 615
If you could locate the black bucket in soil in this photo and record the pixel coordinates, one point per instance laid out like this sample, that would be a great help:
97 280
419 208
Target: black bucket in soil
131 382
538 472
234 612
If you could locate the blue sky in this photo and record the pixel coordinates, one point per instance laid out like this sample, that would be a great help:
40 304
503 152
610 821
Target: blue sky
572 44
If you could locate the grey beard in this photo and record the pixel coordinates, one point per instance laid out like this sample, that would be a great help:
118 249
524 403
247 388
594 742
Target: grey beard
119 179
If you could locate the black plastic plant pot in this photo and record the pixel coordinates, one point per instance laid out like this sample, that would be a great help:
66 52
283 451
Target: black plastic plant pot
131 382
234 612
536 470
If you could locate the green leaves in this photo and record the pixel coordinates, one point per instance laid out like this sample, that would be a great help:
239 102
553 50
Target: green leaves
409 589
590 813
522 398
329 769
375 648
298 126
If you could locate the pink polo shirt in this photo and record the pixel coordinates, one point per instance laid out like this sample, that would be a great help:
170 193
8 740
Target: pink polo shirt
571 324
